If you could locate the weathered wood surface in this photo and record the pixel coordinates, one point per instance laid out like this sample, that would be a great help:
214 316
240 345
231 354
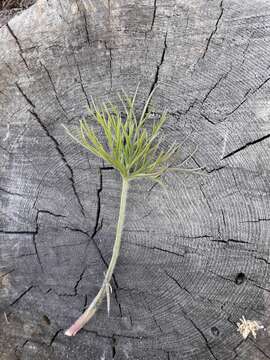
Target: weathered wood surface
194 260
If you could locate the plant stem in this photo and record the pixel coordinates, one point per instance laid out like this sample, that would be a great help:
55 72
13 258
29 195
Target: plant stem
90 311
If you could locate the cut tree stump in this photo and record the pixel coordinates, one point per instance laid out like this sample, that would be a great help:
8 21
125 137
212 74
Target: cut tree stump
195 258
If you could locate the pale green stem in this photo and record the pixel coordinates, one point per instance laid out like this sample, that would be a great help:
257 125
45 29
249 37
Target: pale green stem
90 311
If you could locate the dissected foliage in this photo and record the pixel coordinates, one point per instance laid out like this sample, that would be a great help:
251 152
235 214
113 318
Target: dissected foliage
130 144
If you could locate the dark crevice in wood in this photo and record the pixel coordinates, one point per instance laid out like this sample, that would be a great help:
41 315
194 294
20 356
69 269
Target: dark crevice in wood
155 248
246 49
78 281
50 213
86 28
258 286
24 95
262 259
179 285
235 348
212 88
215 169
121 336
238 241
192 321
94 332
207 119
54 90
85 304
55 336
108 48
185 112
97 228
151 188
77 230
99 190
154 15
18 44
10 192
254 221
250 143
214 31
35 242
261 85
201 333
226 241
113 347
6 273
18 349
245 98
82 85
25 255
159 64
17 232
206 200
221 276
22 295
258 348
60 152
168 233
153 316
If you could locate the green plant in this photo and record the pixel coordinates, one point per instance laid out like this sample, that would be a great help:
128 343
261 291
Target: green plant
135 151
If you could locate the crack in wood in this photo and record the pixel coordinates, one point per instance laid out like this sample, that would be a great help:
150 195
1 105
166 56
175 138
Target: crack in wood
212 88
24 95
10 192
152 315
35 242
202 335
246 49
214 31
114 342
54 89
82 85
21 295
155 248
247 145
159 64
245 98
55 336
154 15
188 318
23 232
18 44
108 48
62 155
258 347
79 280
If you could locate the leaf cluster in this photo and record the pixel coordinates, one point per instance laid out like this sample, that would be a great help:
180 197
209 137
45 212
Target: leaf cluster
129 143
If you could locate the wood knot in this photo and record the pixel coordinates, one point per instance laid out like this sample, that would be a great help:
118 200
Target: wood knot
240 278
215 331
46 320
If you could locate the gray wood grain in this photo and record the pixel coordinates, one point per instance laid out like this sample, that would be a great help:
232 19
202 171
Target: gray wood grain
195 258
